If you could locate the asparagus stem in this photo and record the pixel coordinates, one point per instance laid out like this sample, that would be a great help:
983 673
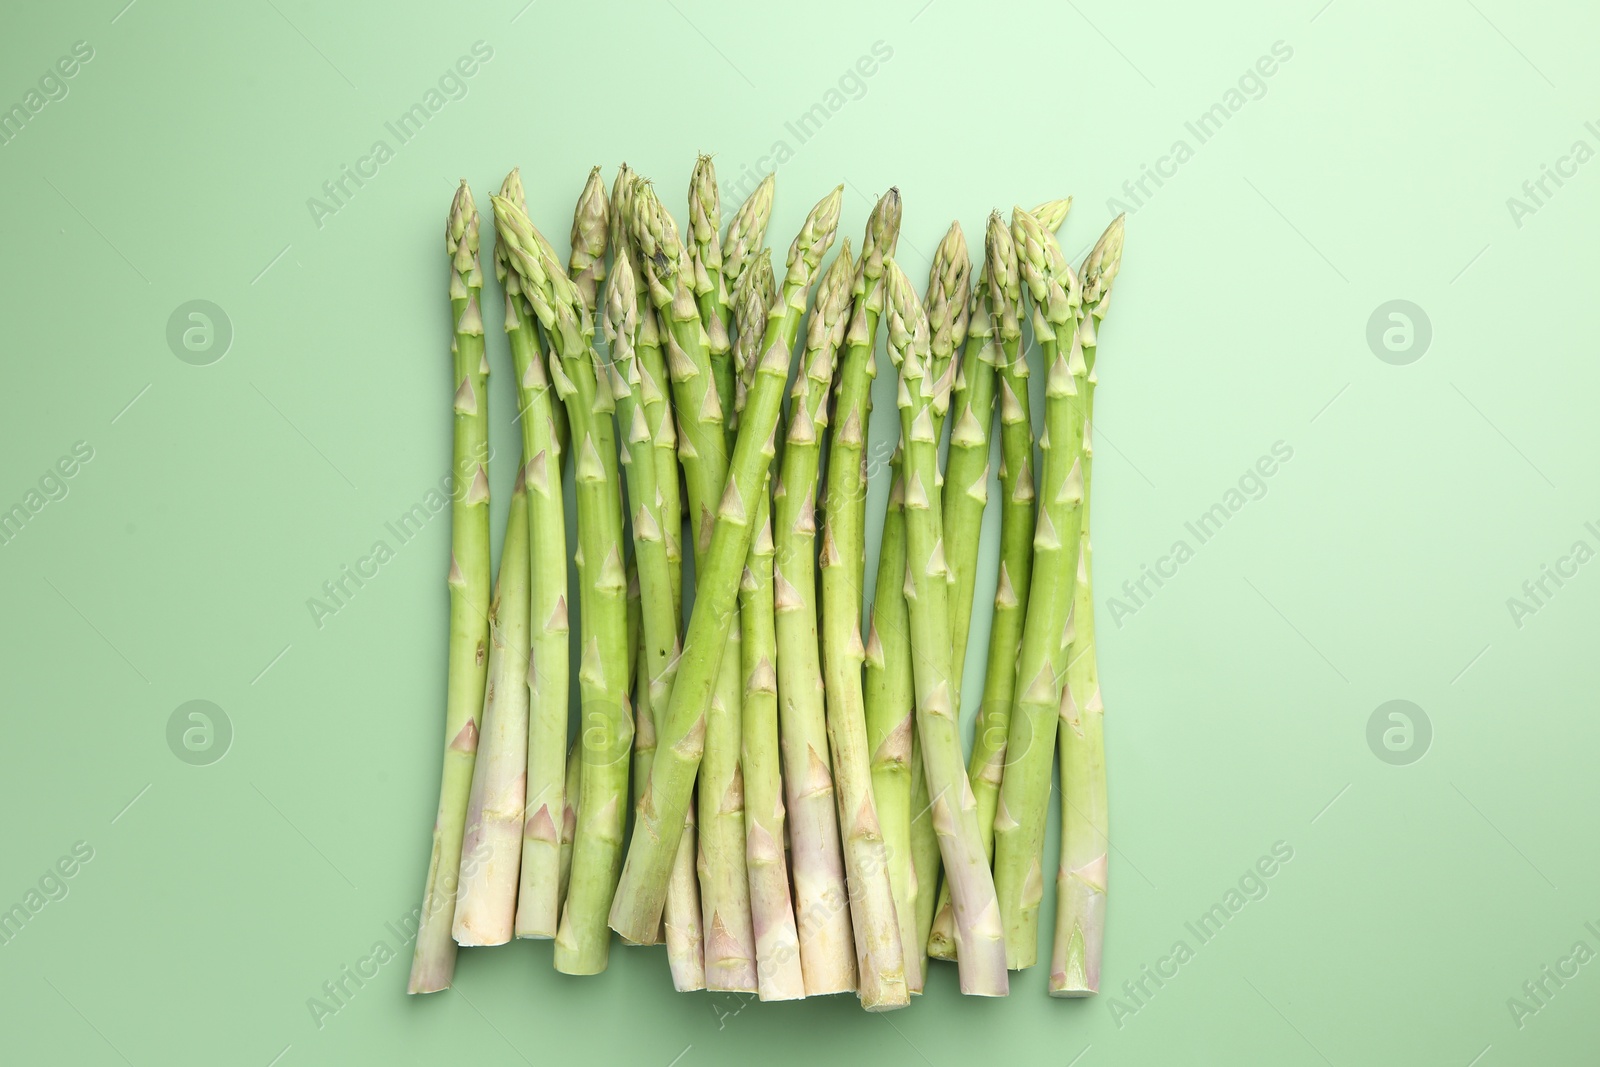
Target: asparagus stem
657 829
820 894
779 974
539 890
434 959
999 291
487 901
888 701
644 726
582 943
778 965
725 906
569 818
978 933
1025 788
880 951
924 843
1081 877
686 952
704 246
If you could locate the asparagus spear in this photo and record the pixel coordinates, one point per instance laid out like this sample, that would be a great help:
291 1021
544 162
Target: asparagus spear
631 382
880 948
978 932
703 448
487 900
539 892
888 686
771 907
681 921
434 959
826 949
994 315
637 906
1001 293
1081 878
967 490
1025 788
747 234
582 944
704 246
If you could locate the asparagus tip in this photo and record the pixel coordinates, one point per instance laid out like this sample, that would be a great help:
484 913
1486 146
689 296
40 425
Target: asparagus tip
461 228
908 322
883 229
747 231
949 286
1052 213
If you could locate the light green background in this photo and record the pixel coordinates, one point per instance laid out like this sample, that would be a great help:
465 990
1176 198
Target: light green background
1375 167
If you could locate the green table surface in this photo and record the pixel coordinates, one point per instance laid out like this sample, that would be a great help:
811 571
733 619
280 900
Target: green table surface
1360 256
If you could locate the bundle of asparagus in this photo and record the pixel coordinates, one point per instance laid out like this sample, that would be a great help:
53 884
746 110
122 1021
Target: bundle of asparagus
805 817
